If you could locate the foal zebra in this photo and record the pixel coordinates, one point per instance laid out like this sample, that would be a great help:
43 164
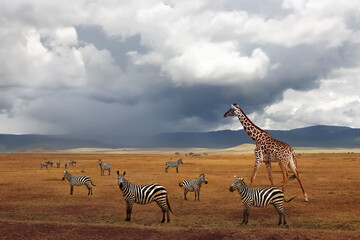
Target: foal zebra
143 194
78 181
173 164
104 166
193 185
259 198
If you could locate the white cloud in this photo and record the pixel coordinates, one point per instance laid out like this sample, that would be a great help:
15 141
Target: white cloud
189 47
335 102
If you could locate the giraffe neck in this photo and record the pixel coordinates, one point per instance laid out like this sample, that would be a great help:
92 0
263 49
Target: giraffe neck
251 129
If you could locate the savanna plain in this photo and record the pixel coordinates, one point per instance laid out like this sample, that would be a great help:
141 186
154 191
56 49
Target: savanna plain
36 204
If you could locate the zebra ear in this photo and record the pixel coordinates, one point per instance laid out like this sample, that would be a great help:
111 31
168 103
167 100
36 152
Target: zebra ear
117 172
124 173
241 179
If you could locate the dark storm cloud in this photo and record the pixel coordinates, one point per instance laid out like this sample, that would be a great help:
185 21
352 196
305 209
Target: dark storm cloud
138 68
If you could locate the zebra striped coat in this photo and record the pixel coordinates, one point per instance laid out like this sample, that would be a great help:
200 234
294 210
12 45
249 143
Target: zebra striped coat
58 164
173 164
78 181
259 198
104 166
193 185
143 194
44 164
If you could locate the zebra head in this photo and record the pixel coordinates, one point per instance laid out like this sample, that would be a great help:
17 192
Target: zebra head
100 161
65 174
232 111
203 178
180 161
121 180
236 184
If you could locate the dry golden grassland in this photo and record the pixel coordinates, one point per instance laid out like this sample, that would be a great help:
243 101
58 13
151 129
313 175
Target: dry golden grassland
36 204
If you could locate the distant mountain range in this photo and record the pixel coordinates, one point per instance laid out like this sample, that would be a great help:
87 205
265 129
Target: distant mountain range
315 136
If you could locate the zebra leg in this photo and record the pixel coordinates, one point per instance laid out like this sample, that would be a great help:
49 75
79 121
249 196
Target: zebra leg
71 189
185 192
89 188
281 213
166 169
177 169
195 194
246 214
199 194
129 206
109 171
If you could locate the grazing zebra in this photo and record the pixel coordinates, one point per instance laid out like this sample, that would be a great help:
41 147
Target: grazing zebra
259 198
143 195
72 163
44 164
173 164
78 181
58 164
50 163
193 185
104 166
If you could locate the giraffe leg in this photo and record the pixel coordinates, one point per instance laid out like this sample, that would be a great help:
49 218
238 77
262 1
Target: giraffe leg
293 168
285 174
268 168
258 159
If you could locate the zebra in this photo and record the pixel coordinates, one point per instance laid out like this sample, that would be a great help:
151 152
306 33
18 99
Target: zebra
78 181
193 185
104 166
143 194
173 164
44 164
58 164
259 198
65 165
50 163
72 163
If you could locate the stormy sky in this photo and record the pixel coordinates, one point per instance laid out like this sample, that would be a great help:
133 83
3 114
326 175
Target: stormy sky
142 67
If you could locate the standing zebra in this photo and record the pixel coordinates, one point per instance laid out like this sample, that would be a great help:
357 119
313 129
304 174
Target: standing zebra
173 164
72 163
65 165
78 181
259 198
143 195
50 163
44 164
58 164
104 166
193 185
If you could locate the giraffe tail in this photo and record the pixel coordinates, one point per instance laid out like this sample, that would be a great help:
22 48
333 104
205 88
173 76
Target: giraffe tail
292 177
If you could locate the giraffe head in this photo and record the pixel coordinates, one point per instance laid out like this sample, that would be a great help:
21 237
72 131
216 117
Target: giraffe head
234 108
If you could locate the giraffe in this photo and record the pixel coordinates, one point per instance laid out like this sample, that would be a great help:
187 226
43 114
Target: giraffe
268 150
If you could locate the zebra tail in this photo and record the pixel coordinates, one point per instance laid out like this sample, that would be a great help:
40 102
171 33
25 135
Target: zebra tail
290 199
180 184
92 184
167 202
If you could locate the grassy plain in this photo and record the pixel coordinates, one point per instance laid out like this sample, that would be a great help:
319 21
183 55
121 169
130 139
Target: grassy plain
36 204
